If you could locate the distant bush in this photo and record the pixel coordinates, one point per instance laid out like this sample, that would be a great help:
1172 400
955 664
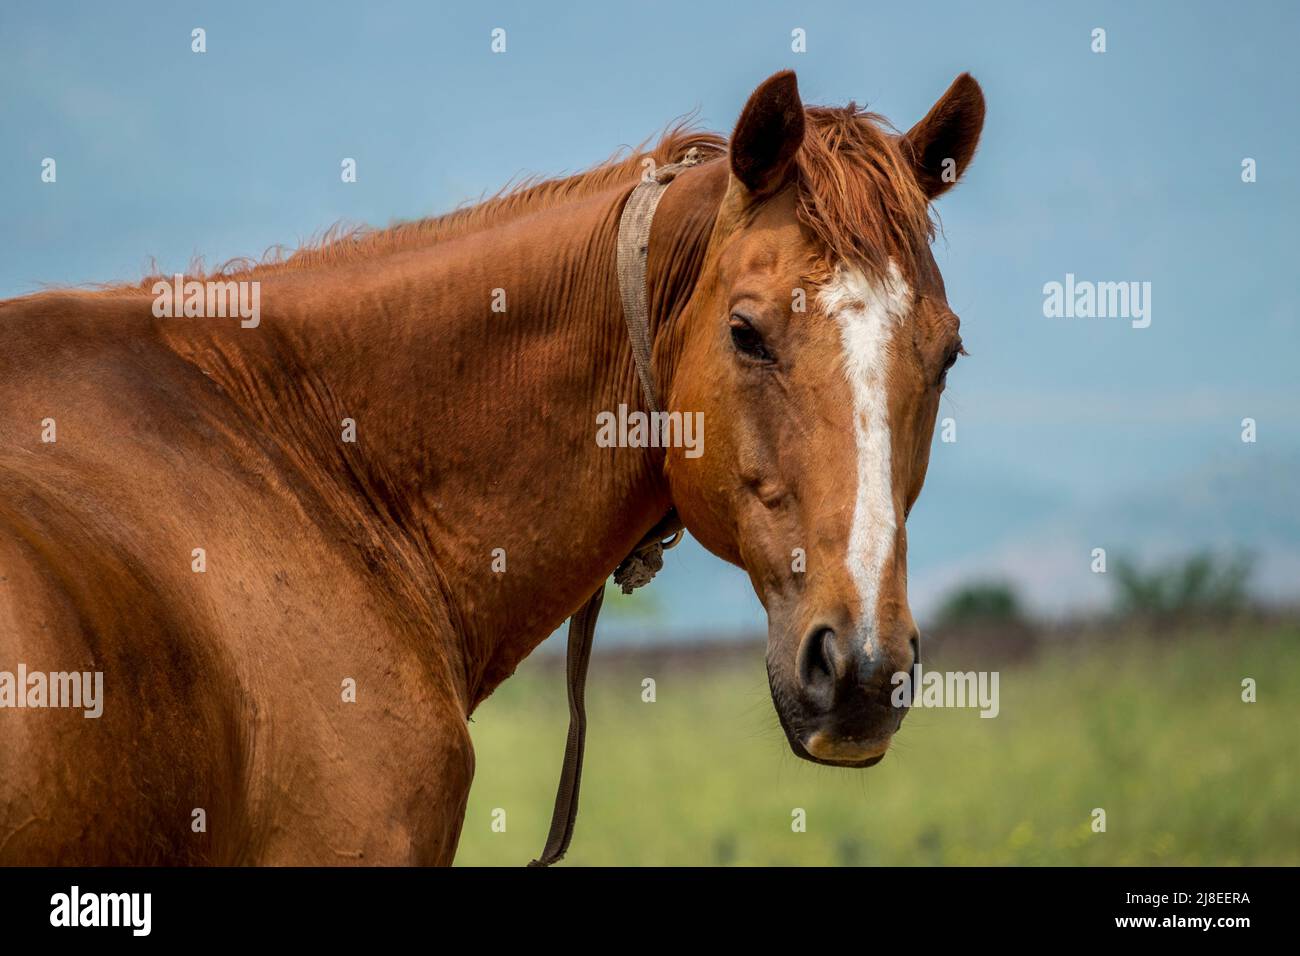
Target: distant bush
981 603
1203 584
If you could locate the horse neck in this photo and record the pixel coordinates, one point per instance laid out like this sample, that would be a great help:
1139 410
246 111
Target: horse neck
474 371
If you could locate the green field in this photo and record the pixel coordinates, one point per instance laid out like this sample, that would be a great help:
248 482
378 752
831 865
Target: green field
1153 732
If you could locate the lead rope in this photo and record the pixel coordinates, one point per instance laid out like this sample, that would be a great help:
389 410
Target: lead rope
647 558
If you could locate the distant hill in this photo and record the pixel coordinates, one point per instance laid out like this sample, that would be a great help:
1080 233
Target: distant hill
1249 503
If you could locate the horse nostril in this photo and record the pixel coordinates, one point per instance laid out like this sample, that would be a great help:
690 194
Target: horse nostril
915 675
818 658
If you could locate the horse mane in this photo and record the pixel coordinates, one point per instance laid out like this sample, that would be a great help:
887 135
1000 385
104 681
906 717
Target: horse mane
856 195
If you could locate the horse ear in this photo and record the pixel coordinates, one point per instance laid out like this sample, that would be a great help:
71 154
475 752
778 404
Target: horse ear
942 144
768 133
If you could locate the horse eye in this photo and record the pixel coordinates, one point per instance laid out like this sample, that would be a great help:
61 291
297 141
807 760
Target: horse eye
949 362
748 341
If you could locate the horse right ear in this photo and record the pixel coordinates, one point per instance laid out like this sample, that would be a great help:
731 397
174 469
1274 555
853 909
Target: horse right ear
767 135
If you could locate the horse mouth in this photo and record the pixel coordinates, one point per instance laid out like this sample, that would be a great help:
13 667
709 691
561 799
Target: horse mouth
852 754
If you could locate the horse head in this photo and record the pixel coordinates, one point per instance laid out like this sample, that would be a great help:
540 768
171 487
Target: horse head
816 343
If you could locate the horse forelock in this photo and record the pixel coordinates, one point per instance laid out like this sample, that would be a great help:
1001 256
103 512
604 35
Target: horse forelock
858 194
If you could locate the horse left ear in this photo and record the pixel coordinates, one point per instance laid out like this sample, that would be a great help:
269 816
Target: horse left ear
942 144
768 133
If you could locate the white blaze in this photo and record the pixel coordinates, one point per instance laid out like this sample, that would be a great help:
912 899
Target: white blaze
867 313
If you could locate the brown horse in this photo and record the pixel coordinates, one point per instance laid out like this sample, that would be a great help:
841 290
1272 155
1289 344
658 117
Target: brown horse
302 549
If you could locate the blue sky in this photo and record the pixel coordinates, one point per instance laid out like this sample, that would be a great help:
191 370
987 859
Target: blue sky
1116 166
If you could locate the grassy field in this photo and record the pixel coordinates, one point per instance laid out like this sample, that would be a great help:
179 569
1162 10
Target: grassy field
1155 733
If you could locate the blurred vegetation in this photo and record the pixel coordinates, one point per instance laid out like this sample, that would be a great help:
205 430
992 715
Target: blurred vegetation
980 603
1201 585
1153 732
981 625
643 604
